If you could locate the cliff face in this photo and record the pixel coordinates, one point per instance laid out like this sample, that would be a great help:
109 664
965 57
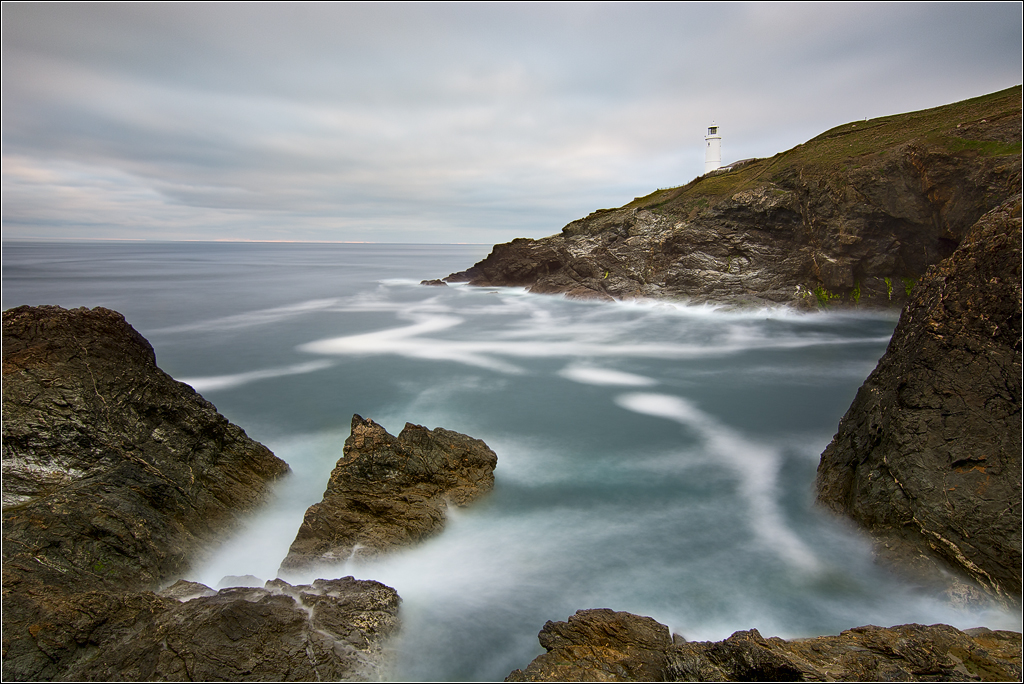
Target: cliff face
928 458
113 472
854 216
115 478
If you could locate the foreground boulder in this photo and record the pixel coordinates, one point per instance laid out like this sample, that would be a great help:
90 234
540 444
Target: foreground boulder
329 631
928 457
852 217
907 653
600 645
387 492
607 646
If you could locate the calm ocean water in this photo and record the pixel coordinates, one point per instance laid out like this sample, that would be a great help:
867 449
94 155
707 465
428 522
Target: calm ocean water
652 457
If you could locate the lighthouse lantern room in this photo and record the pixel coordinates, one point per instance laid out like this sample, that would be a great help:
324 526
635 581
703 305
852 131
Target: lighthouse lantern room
712 149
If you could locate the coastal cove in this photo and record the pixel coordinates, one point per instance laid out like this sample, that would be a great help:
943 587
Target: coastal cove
653 457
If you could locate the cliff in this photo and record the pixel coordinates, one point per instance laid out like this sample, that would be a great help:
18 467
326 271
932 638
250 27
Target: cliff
113 472
852 217
116 478
928 457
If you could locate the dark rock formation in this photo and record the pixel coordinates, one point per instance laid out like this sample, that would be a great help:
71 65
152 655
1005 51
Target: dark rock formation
854 216
329 631
113 472
905 653
606 646
388 492
115 477
928 458
600 646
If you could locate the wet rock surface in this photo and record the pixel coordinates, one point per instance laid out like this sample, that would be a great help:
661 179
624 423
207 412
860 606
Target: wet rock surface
603 645
928 457
909 653
329 631
115 478
387 492
114 473
852 217
600 645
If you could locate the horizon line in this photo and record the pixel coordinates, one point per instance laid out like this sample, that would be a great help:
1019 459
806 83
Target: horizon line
235 241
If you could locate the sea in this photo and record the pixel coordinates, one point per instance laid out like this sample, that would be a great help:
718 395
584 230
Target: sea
653 457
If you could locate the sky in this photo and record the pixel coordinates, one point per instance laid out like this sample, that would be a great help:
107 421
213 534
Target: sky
438 123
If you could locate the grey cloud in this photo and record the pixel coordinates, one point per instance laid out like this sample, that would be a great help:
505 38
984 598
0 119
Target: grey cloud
439 122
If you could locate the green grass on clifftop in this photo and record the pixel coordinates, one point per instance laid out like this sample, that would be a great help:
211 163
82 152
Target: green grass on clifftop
988 125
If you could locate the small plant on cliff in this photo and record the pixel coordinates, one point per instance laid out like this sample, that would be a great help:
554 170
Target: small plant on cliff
908 285
855 293
824 296
888 287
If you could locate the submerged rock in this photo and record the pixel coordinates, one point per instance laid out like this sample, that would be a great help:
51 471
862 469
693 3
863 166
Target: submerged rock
607 646
388 492
928 457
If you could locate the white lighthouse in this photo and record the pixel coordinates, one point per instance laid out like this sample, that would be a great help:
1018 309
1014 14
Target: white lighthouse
712 149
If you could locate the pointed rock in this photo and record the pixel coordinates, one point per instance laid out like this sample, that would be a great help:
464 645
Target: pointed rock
387 492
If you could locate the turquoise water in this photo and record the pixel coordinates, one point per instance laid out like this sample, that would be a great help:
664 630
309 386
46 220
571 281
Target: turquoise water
652 457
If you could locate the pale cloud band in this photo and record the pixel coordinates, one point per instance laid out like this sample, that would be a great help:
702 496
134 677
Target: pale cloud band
438 122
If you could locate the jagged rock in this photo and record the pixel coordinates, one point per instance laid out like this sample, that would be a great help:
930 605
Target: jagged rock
600 645
184 590
928 457
388 492
603 645
907 653
329 631
115 477
437 282
114 473
852 217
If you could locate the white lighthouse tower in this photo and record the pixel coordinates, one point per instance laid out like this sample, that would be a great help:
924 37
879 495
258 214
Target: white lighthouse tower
712 149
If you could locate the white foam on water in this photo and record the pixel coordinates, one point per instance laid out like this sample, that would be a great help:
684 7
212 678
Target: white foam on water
261 543
755 465
252 319
546 336
590 375
213 383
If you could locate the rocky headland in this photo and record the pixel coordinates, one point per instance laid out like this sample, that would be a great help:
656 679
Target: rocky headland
606 646
116 479
853 217
387 492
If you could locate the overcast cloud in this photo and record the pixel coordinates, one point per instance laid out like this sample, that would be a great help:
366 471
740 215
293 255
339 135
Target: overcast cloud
438 123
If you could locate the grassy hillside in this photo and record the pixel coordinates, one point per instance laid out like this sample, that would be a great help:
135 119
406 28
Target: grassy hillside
987 125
